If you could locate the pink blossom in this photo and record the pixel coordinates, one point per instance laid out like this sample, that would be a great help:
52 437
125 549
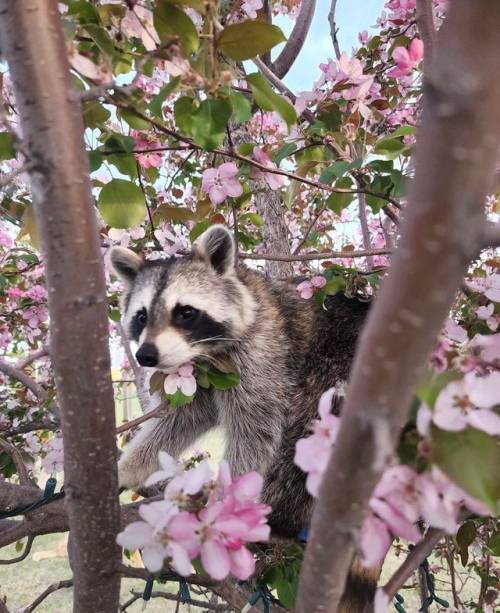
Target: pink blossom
53 459
251 7
153 538
273 180
407 59
307 288
455 332
469 402
313 452
489 286
487 347
181 378
381 601
221 182
486 313
188 481
151 159
375 540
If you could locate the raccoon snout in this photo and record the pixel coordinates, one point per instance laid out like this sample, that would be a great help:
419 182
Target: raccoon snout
147 355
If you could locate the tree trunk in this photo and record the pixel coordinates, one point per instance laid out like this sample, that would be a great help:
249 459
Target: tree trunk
457 149
270 208
33 44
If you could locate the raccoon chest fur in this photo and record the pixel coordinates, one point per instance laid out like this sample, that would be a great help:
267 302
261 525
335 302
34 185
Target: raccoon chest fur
287 350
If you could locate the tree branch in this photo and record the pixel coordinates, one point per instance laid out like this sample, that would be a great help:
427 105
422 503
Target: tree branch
442 230
307 257
416 556
425 24
139 374
14 372
59 585
33 44
334 29
15 454
296 39
24 555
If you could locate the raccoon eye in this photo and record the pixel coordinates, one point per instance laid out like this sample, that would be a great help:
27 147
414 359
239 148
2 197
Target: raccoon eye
141 317
185 313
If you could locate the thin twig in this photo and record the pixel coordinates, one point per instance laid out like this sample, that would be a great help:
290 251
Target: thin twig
139 420
50 590
139 374
306 257
6 179
309 229
15 454
413 561
23 556
334 29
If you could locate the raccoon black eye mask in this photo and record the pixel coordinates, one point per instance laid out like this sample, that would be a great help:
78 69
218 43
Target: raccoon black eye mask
197 324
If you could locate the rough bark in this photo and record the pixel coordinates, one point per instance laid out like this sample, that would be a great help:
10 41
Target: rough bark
444 228
34 45
271 209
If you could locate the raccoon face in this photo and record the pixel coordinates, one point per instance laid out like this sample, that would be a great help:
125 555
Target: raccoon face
183 309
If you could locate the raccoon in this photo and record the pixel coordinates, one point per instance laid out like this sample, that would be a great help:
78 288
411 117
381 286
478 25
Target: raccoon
287 350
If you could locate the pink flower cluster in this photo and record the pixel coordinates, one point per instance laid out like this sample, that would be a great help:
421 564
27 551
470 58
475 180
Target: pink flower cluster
221 182
217 533
181 378
407 59
307 288
464 403
401 498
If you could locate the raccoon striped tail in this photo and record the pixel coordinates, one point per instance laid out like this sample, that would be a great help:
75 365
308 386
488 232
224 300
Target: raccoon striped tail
360 588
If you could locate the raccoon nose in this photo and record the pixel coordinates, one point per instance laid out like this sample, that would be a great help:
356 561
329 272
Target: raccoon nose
147 355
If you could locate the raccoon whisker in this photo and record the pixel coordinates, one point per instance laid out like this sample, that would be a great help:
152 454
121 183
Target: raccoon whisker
215 338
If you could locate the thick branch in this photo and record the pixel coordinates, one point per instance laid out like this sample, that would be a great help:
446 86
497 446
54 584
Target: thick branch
425 24
296 39
443 229
33 43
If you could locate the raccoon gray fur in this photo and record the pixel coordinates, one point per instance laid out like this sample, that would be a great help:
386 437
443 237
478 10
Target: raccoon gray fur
287 350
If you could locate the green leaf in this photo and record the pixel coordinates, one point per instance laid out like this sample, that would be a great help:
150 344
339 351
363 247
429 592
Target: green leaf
95 160
156 382
242 109
119 143
382 185
121 204
178 399
184 109
471 459
268 100
133 120
283 152
94 114
253 218
287 592
126 164
157 101
221 380
334 286
465 537
172 22
383 166
337 202
494 544
403 131
7 150
246 40
198 229
335 171
431 385
101 39
210 122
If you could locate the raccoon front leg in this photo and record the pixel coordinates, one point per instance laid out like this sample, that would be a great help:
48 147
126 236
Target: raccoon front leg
253 435
172 433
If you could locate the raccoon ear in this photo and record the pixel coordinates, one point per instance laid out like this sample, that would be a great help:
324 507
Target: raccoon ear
125 263
216 246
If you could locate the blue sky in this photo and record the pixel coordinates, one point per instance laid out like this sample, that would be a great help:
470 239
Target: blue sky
352 16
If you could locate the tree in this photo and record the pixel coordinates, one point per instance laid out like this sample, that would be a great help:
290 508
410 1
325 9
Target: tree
157 95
